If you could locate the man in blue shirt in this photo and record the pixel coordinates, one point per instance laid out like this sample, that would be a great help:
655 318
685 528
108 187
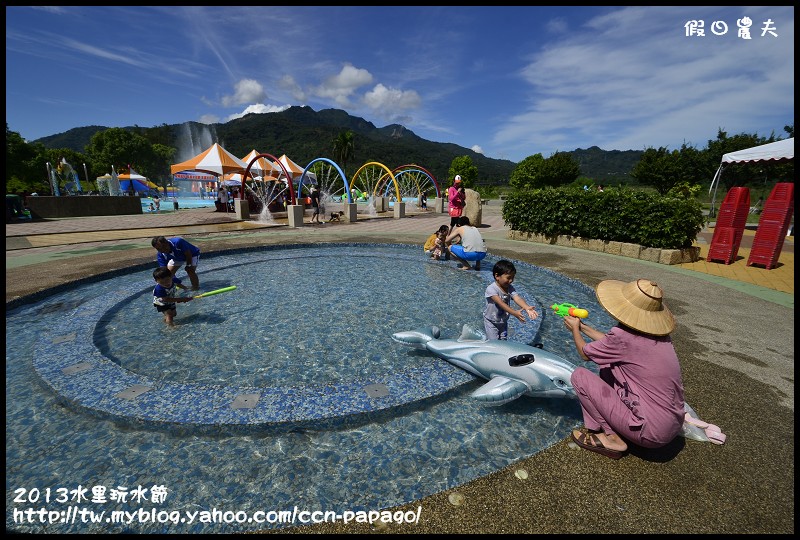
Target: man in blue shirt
174 253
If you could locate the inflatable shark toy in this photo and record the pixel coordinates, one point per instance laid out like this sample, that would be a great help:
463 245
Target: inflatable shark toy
513 369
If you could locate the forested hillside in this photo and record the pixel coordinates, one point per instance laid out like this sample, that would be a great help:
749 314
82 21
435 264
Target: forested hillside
304 134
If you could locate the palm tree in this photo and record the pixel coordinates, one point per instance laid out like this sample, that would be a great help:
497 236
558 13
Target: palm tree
344 148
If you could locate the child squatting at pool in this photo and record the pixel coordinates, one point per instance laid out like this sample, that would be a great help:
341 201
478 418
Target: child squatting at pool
164 298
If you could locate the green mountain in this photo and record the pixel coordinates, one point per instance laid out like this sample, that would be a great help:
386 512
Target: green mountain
606 166
304 134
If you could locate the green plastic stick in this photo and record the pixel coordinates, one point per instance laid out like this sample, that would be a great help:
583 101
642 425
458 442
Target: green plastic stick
222 290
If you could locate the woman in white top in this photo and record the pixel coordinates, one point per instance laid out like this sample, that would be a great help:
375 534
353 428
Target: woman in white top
471 247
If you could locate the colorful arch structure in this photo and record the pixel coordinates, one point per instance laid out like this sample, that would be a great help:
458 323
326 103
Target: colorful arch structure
334 165
277 162
383 179
426 172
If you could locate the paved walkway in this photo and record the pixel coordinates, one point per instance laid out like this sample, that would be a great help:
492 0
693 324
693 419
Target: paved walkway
734 337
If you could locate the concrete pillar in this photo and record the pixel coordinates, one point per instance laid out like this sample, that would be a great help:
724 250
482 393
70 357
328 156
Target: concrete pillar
380 204
438 205
295 215
242 208
350 212
399 210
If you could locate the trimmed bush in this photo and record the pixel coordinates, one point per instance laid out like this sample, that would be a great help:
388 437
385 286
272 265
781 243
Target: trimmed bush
619 215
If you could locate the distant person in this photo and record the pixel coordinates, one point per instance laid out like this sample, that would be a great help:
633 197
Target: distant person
638 394
456 200
499 295
423 201
157 203
174 253
471 247
600 188
223 197
315 204
165 294
151 208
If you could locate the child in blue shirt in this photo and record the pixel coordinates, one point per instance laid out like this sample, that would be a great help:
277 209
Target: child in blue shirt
164 294
174 253
499 295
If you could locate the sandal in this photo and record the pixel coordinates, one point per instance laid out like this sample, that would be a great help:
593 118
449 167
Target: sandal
591 442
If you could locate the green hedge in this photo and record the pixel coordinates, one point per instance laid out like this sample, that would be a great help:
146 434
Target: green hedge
617 214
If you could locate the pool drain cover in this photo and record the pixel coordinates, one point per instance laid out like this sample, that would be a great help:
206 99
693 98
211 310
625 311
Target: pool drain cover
134 391
76 368
376 390
245 401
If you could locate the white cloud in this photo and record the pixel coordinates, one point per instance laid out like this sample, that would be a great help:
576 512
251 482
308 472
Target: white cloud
341 86
288 83
600 90
477 148
391 103
258 108
247 91
209 119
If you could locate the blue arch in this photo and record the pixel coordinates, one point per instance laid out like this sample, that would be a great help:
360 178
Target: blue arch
336 166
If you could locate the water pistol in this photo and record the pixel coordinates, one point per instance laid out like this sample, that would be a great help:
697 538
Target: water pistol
562 310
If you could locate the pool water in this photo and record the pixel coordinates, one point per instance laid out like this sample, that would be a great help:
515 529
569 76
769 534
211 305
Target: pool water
311 316
183 202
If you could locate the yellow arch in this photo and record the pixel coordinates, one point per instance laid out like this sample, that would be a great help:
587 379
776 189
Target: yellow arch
385 168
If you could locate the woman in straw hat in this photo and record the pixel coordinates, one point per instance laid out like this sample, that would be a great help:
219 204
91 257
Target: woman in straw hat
638 395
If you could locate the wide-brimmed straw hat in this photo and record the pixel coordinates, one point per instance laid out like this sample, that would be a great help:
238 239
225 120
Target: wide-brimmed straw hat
638 305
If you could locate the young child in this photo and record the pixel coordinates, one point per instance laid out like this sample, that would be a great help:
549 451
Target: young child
440 250
164 298
435 245
174 253
498 295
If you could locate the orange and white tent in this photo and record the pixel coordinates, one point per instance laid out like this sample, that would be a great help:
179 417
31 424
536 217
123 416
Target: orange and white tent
216 160
293 168
262 167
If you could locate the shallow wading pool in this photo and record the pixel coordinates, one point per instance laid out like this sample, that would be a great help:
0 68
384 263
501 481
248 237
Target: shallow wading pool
100 393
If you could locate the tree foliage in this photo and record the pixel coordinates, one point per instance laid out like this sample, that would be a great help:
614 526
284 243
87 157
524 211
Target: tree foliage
119 148
560 169
536 172
658 168
463 166
344 148
527 174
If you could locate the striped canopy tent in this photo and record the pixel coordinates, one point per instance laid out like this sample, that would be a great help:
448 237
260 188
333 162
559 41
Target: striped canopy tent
262 167
216 160
133 181
293 168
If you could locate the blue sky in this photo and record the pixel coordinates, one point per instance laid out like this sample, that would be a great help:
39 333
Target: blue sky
508 82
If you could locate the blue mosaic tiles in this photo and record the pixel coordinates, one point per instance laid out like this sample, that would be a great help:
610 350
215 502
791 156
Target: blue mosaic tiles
386 426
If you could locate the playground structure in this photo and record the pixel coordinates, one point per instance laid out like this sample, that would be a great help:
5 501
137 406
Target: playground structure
371 181
64 174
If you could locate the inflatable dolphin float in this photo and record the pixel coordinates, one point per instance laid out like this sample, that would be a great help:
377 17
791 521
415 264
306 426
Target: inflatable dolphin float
513 369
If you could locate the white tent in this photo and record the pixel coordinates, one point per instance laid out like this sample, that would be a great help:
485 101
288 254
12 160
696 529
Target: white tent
778 150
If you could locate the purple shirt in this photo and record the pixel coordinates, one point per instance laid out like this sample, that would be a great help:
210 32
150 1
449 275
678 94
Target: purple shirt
647 378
